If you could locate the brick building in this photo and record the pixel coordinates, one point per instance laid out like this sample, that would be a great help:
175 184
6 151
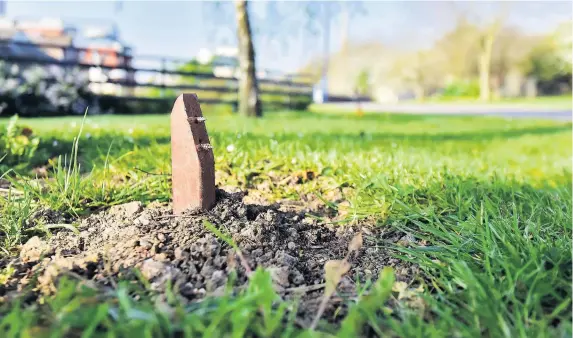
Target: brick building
104 48
20 36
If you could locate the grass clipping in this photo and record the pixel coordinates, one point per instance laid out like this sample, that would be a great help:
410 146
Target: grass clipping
333 272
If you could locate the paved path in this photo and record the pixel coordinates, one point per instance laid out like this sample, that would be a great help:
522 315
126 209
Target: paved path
502 110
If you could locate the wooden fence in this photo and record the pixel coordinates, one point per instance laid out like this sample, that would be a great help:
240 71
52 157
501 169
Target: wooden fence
166 79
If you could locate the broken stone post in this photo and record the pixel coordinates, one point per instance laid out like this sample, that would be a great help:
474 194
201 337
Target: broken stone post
192 160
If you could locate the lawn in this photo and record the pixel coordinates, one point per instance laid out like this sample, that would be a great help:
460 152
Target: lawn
540 104
555 102
466 225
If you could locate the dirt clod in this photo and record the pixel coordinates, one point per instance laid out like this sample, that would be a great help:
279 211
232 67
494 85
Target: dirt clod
280 276
126 210
33 250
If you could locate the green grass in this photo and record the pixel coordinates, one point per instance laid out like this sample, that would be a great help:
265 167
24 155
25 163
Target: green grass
564 102
560 101
491 198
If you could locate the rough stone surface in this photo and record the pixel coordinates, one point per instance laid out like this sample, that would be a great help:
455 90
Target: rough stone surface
193 164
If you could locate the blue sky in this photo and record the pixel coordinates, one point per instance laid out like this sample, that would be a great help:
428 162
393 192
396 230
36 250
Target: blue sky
181 28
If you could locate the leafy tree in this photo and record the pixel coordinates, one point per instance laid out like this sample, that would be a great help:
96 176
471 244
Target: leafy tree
548 63
550 59
564 43
544 63
487 28
459 49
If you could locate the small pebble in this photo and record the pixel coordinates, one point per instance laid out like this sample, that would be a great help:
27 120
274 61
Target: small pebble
161 257
296 277
293 234
291 245
257 253
308 221
279 275
285 259
180 253
143 220
218 278
145 244
371 251
269 216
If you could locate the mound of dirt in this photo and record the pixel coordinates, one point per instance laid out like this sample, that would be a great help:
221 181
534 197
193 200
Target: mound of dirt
182 250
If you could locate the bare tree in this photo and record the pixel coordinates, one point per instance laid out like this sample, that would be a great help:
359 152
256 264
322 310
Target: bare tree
421 71
249 101
487 31
459 50
295 17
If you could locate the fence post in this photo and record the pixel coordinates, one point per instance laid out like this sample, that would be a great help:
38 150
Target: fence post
163 66
97 62
289 92
127 88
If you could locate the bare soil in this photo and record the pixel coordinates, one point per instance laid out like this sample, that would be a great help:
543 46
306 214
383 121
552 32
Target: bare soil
166 248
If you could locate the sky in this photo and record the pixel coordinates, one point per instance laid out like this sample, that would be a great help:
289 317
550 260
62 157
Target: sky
284 39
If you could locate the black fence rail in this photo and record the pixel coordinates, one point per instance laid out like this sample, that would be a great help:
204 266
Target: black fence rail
158 84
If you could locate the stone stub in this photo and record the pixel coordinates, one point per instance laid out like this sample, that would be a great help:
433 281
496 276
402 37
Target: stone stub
192 160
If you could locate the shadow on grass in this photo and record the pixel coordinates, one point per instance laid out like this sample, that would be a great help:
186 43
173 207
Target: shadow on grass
485 135
93 149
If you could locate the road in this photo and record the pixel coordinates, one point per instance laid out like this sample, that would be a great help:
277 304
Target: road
502 110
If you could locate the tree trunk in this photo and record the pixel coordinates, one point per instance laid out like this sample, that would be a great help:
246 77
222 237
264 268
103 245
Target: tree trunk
488 39
249 103
484 68
419 92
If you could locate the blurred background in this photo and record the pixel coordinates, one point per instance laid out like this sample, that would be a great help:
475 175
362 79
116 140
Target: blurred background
136 57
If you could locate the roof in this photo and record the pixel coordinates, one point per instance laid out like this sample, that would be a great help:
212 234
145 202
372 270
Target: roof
15 50
62 41
12 32
105 43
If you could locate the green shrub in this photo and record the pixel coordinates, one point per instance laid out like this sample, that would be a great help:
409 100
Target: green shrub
18 145
33 90
463 89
